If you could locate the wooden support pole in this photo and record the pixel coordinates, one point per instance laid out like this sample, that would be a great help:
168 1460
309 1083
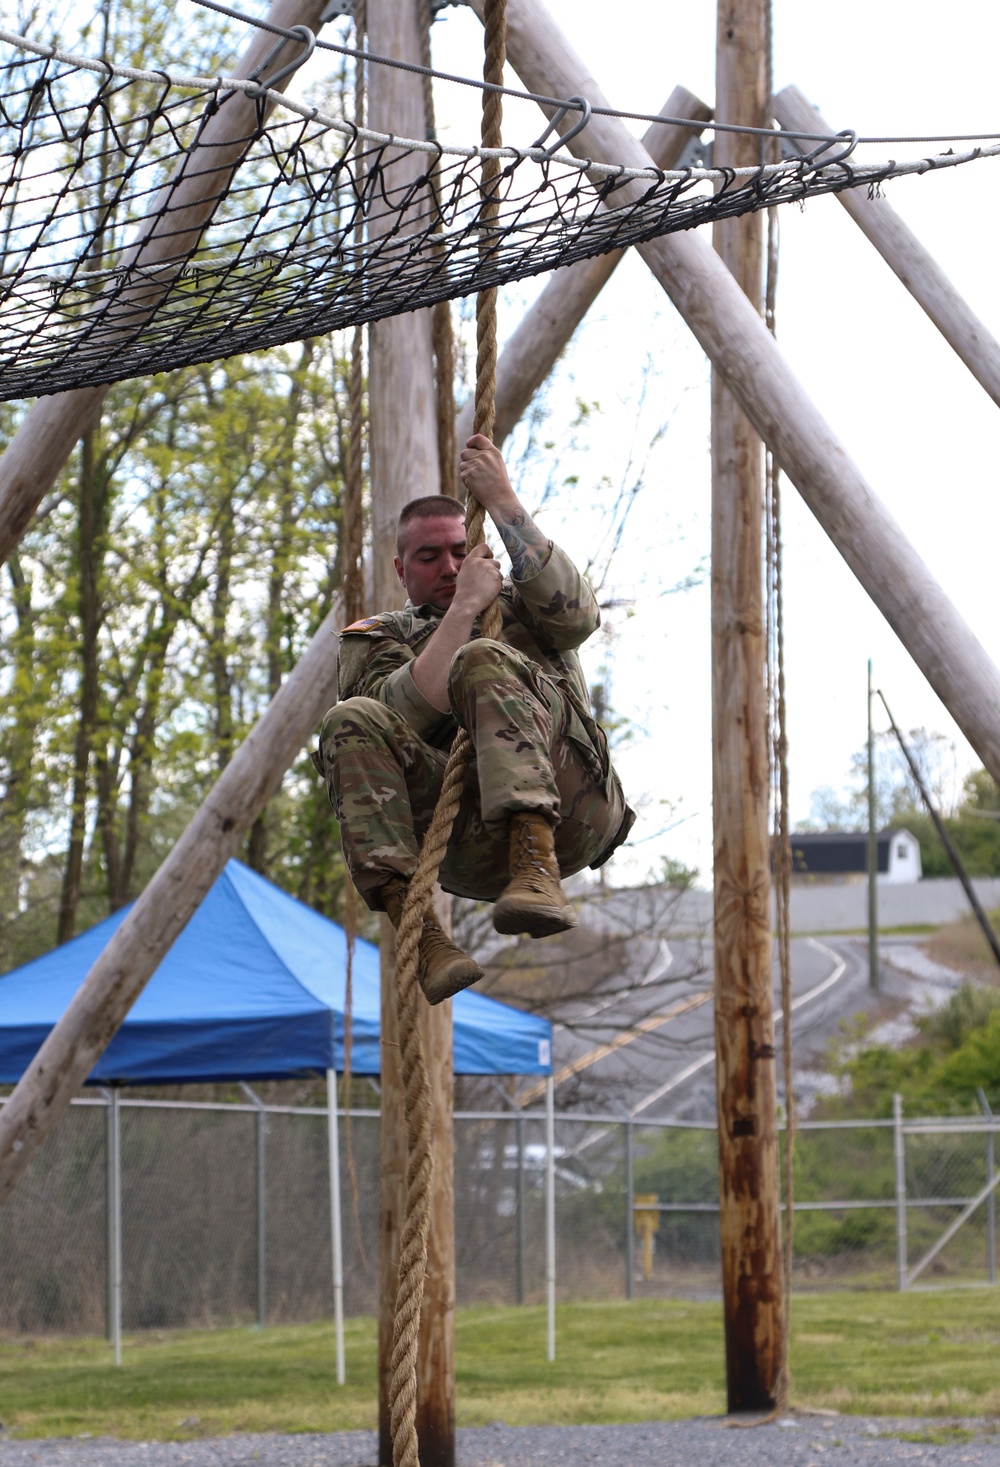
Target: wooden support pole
46 438
162 911
742 350
749 1207
404 465
907 257
546 329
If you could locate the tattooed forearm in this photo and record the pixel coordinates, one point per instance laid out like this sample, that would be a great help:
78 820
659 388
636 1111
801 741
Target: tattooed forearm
526 545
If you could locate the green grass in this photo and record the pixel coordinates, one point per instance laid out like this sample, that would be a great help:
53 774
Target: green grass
928 1355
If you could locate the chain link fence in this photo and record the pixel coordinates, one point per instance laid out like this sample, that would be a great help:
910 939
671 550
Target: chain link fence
226 1212
946 1173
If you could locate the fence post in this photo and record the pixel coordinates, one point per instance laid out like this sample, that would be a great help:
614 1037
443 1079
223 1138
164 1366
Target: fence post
629 1217
899 1147
109 1267
261 1126
336 1231
991 1201
260 1122
113 1168
522 1291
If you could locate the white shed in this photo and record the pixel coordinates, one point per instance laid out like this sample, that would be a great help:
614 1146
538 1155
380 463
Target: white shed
903 859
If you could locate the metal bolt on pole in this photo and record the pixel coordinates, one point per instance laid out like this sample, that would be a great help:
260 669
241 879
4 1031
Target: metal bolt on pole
899 1144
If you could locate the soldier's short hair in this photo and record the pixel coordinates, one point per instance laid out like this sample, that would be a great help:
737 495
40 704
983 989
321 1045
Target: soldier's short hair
428 507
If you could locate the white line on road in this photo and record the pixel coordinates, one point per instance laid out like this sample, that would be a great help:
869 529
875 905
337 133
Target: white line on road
839 969
594 1056
654 976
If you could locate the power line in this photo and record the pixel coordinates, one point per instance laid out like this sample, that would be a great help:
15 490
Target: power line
573 104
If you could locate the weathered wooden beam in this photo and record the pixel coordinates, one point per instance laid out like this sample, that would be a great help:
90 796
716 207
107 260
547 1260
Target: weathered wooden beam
546 328
907 258
46 438
749 1206
403 446
740 347
135 950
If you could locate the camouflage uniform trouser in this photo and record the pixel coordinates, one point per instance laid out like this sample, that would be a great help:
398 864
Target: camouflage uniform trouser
532 753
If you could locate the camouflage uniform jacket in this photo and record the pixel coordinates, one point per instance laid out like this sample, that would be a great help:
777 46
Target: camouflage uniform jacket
545 618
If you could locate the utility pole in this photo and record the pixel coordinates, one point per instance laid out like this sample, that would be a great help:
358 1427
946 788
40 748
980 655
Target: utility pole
749 1206
872 849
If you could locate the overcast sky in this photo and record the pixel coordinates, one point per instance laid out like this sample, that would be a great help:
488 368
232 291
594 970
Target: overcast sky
921 429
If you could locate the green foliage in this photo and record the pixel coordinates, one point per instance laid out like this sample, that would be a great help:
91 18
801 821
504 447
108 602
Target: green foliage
170 581
976 839
957 1051
211 563
676 873
176 572
968 1010
844 1166
975 1063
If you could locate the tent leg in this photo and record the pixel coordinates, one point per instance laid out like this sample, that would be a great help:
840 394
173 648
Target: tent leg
335 1221
550 1212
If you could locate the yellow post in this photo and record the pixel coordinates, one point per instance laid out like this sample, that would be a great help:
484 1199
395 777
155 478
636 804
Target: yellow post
646 1217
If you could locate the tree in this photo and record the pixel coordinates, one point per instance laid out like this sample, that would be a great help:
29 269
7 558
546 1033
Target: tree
969 821
896 794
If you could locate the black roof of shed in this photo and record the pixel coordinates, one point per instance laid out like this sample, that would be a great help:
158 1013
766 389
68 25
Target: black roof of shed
834 852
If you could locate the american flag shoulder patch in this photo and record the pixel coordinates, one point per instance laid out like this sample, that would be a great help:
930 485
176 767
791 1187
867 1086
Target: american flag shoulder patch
364 625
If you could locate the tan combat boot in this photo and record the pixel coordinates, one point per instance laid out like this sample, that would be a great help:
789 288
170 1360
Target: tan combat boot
443 968
533 902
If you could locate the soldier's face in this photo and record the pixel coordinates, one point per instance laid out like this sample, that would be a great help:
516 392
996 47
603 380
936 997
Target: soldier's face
433 552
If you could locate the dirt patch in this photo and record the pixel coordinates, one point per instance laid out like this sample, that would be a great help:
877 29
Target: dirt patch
961 946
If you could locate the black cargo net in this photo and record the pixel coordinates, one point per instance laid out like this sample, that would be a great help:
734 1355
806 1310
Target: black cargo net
151 221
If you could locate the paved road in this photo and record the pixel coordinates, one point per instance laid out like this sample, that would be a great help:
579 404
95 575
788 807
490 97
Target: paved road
646 1044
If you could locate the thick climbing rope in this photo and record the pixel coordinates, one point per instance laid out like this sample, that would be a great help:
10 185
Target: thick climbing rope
352 540
782 836
416 1086
770 152
443 337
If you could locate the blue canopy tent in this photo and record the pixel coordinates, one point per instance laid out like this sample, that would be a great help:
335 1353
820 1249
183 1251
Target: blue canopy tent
252 989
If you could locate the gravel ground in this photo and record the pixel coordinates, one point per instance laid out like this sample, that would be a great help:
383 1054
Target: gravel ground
794 1441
